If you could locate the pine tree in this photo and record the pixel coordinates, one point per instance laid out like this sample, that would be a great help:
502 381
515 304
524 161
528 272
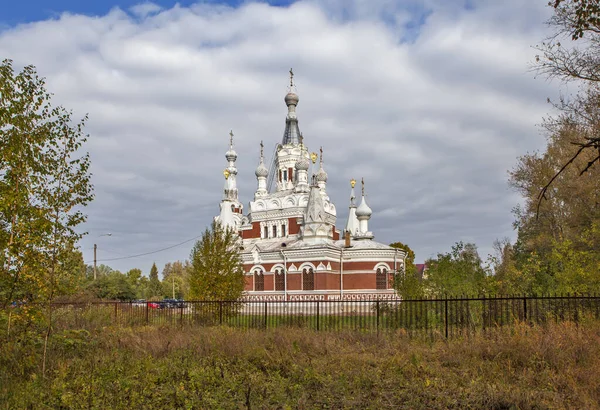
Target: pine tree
154 285
216 272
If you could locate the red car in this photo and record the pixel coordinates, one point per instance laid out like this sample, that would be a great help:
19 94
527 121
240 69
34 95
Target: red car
154 305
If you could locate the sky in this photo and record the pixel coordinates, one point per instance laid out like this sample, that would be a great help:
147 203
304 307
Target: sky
430 101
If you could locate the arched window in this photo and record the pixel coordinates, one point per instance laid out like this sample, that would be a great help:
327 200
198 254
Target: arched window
282 230
308 279
266 232
381 278
274 231
259 281
279 280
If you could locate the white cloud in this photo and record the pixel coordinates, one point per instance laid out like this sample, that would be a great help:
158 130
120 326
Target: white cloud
145 9
433 123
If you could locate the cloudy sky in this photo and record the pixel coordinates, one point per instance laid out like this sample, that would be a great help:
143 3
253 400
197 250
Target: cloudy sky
430 101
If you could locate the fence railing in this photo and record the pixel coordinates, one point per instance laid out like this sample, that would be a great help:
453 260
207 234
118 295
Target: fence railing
445 317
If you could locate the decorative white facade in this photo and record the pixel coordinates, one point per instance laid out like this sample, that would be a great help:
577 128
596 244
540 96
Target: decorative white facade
291 248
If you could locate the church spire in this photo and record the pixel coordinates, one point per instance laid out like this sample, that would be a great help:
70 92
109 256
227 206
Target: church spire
291 135
261 175
363 214
352 225
231 190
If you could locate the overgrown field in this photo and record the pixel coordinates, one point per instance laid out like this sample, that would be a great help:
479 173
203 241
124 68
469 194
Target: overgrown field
223 368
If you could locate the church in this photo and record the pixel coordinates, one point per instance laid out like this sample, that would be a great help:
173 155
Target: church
290 246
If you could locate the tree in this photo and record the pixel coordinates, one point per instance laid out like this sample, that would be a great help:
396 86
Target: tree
44 182
113 286
406 281
216 268
175 279
458 272
584 15
571 206
154 285
562 59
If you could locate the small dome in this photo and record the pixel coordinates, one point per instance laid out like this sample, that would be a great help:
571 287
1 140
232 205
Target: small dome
302 164
231 155
321 175
261 170
363 210
291 98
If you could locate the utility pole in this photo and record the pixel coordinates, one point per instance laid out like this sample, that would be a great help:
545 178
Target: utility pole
95 248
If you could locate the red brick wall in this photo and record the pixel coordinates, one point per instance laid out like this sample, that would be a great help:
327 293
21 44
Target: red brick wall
360 281
252 233
336 234
248 284
366 266
293 226
294 282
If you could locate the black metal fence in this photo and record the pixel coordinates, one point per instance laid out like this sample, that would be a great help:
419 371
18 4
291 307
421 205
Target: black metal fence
446 317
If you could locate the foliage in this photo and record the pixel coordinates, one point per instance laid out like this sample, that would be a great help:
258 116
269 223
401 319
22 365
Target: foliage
157 368
410 254
154 285
408 284
584 15
175 279
406 281
580 62
113 286
216 271
44 182
459 272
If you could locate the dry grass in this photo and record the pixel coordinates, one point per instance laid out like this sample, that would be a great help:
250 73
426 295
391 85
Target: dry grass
150 368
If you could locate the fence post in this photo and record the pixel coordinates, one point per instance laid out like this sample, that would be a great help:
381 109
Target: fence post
147 319
220 312
181 316
266 314
116 313
317 315
377 307
525 309
446 315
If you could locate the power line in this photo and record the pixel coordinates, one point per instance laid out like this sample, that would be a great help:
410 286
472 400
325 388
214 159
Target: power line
147 253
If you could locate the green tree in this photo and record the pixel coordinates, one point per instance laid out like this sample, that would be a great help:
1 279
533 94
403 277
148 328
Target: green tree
154 285
406 281
571 208
459 272
113 286
216 268
175 279
45 183
577 62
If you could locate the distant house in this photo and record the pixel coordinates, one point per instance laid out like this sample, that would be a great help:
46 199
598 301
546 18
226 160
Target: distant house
421 270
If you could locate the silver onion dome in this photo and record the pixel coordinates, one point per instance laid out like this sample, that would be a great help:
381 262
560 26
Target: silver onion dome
363 210
321 175
261 170
291 98
302 164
